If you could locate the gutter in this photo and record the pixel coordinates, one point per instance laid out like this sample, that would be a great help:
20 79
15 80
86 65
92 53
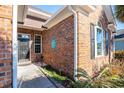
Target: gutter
75 42
14 48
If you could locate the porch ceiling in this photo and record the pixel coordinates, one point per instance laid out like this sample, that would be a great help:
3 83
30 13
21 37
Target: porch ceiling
31 18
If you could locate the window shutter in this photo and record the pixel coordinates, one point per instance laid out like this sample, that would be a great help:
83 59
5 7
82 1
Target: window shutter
92 40
107 43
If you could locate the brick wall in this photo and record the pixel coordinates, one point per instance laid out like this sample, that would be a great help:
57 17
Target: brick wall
35 57
61 57
5 46
84 53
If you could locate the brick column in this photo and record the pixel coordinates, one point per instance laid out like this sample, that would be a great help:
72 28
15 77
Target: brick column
5 46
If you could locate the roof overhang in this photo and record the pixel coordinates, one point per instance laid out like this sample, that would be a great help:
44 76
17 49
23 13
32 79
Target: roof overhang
65 12
58 17
29 17
29 27
110 17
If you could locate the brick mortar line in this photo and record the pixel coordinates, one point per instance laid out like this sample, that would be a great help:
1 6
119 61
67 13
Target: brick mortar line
9 18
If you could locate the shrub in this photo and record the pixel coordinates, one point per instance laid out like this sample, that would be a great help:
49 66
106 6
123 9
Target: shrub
119 55
112 76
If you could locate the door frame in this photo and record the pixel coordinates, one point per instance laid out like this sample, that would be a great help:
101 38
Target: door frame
29 43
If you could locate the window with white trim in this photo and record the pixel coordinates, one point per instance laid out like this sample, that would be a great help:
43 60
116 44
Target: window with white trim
99 41
37 44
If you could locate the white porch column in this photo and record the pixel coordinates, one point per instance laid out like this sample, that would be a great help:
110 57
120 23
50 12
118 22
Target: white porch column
14 47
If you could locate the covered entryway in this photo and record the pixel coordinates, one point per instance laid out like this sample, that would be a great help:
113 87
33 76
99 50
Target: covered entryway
23 48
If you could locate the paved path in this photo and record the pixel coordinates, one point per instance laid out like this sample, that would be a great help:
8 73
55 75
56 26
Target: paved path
31 77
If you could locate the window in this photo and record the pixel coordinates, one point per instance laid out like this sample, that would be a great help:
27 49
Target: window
37 44
99 44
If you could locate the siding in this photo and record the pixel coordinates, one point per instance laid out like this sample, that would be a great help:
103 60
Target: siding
5 46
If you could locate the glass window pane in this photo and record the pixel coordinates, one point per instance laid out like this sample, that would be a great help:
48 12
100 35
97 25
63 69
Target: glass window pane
99 41
37 44
37 39
99 49
37 49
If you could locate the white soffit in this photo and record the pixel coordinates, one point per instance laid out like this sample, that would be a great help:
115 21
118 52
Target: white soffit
23 11
29 27
32 11
65 12
60 15
33 23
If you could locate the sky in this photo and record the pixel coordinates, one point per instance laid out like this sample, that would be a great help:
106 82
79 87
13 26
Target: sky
49 8
54 8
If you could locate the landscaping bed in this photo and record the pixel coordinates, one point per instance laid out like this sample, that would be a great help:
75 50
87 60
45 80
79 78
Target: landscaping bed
112 76
119 55
56 76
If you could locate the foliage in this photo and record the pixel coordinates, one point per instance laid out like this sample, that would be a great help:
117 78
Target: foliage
53 74
119 55
119 13
110 77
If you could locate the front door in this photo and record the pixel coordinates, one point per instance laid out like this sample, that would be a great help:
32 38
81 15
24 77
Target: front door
23 48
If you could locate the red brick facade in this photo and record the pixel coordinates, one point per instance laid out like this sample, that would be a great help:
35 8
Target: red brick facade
61 57
63 33
5 46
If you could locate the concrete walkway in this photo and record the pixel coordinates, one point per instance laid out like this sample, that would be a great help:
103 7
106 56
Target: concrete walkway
30 76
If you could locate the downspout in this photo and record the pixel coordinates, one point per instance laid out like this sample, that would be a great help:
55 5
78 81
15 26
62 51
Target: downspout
75 43
14 48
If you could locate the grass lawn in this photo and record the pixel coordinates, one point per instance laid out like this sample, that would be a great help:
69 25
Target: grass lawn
55 75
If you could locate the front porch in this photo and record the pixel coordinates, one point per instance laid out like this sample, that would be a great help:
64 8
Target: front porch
29 46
